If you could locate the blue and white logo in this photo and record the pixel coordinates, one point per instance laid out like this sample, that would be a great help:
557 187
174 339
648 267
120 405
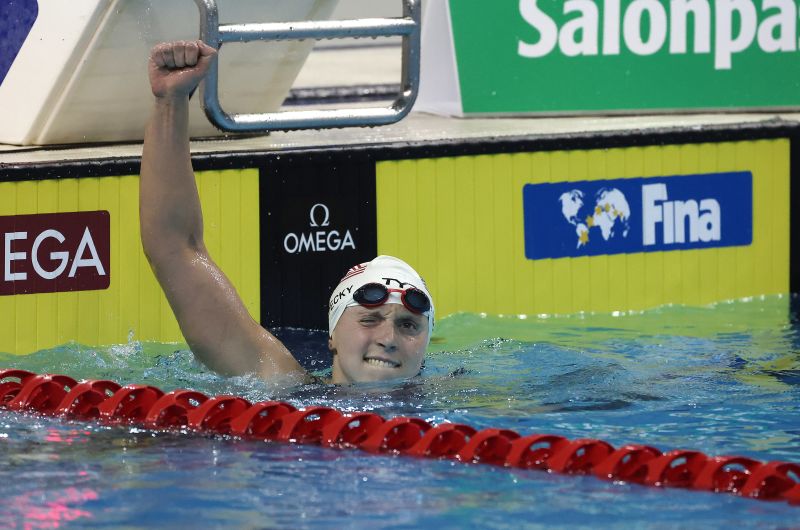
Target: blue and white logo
609 214
588 218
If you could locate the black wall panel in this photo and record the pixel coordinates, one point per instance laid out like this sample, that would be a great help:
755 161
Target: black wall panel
318 219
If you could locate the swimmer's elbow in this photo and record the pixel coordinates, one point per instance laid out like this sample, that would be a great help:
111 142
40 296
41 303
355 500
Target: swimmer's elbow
161 250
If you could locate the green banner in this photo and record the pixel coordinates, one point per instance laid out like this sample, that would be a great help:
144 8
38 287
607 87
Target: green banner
519 56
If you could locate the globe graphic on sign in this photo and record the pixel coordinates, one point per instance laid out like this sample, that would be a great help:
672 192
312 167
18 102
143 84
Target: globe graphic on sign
609 215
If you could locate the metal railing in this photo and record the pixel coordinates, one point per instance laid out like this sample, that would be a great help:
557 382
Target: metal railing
407 27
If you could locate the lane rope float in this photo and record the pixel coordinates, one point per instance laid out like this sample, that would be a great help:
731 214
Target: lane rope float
148 406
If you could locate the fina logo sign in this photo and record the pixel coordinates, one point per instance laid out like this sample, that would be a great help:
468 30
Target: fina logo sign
638 215
321 240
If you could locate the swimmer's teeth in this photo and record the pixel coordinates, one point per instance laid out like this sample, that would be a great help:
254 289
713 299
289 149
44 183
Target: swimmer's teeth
378 362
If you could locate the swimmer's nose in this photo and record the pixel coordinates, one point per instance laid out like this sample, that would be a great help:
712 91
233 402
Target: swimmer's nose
386 337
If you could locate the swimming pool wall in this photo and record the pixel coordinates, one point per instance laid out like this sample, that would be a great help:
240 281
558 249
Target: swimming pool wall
475 217
461 220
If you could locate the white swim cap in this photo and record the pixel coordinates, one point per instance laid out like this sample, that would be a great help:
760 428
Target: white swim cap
385 270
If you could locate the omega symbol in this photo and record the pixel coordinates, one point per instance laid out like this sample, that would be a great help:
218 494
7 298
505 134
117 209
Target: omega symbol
319 216
313 218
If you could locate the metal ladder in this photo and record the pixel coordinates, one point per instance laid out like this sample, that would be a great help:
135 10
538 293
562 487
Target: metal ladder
407 27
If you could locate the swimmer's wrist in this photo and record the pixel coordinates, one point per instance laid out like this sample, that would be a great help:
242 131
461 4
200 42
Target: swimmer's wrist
171 107
171 100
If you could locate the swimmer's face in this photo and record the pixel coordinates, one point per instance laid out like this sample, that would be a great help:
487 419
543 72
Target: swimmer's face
378 343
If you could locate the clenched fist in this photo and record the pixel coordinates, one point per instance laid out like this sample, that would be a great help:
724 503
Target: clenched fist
176 68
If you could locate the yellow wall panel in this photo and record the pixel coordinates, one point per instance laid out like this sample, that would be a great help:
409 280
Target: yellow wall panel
8 304
562 268
653 287
67 303
598 267
473 227
88 301
485 274
249 216
46 313
780 208
108 304
672 272
634 263
689 266
542 271
746 270
26 305
465 263
502 256
522 281
579 267
407 188
446 208
427 227
618 263
129 256
708 259
762 209
387 186
133 304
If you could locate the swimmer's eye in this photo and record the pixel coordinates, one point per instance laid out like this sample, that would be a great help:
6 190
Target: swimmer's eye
409 325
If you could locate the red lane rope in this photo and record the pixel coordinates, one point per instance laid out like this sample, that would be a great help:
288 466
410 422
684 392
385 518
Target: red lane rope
108 402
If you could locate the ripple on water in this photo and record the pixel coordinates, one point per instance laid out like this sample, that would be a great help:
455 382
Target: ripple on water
723 380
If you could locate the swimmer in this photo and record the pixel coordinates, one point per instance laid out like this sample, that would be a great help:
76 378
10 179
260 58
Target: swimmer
380 315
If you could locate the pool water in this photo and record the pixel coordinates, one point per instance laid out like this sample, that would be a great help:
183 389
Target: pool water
722 380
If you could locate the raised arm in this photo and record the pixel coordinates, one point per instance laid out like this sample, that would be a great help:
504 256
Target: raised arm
212 316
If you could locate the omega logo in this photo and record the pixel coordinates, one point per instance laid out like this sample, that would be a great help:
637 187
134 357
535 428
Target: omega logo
312 216
55 252
86 246
318 240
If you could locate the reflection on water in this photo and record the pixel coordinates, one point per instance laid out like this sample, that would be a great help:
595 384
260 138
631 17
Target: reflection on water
723 380
43 509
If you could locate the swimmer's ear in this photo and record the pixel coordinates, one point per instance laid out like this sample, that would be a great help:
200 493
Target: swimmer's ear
330 345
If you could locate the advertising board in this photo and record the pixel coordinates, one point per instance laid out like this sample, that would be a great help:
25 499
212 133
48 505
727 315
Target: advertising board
609 56
604 230
73 266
